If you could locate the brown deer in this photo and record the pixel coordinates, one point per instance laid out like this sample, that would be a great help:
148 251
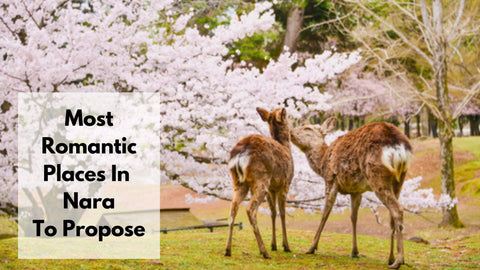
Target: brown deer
373 157
265 167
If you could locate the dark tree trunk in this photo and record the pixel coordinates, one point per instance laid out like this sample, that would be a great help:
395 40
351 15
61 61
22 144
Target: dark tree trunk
342 124
474 121
350 123
460 125
432 126
407 128
476 126
294 25
418 125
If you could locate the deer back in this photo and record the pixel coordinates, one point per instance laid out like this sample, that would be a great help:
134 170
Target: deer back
257 156
372 151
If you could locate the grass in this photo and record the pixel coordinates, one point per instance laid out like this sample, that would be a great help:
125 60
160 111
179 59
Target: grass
467 173
200 249
206 252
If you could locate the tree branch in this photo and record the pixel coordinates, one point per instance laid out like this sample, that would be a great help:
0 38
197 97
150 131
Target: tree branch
327 22
9 208
457 21
475 90
398 32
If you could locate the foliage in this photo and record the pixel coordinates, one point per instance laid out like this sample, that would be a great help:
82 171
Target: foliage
206 105
61 46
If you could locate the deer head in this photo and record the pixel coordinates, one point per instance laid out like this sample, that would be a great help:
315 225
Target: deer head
279 123
311 136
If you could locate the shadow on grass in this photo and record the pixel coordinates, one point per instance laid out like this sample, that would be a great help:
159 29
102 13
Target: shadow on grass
6 236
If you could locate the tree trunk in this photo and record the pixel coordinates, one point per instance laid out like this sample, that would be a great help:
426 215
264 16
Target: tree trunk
418 125
350 123
476 126
460 125
432 126
342 124
407 128
294 25
356 120
474 121
450 215
424 119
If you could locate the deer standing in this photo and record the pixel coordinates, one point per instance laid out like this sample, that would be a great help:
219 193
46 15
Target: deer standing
373 157
265 167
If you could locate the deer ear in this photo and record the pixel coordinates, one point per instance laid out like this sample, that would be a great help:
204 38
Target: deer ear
263 113
283 115
328 125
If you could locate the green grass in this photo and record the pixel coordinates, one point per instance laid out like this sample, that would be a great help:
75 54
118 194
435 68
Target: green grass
205 251
8 260
467 176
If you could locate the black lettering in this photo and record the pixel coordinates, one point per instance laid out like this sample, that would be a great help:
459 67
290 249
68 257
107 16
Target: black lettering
67 199
73 119
139 231
48 170
68 225
37 228
47 143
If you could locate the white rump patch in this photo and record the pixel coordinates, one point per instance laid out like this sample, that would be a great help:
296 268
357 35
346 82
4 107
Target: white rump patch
239 163
396 159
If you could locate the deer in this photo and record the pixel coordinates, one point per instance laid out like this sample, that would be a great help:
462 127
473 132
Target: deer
263 166
374 157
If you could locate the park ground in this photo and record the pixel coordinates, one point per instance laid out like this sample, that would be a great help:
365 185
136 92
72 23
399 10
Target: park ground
200 249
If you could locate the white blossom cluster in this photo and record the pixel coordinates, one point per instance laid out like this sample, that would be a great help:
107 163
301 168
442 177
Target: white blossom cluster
207 103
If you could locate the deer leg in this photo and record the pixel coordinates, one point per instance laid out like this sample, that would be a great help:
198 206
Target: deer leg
397 186
388 198
282 199
355 199
391 257
271 198
330 200
258 195
239 195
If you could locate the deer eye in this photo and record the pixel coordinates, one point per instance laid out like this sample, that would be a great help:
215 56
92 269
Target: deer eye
307 128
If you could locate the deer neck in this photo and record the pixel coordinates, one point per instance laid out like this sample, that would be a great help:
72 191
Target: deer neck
282 137
317 158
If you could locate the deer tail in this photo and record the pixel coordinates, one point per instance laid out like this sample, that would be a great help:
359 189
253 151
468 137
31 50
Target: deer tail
397 159
238 165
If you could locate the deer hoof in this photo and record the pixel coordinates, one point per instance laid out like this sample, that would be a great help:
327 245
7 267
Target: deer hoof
274 247
311 251
395 265
286 249
355 255
266 255
228 253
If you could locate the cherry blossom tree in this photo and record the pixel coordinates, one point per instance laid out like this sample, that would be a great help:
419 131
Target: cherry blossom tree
206 105
57 46
206 110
